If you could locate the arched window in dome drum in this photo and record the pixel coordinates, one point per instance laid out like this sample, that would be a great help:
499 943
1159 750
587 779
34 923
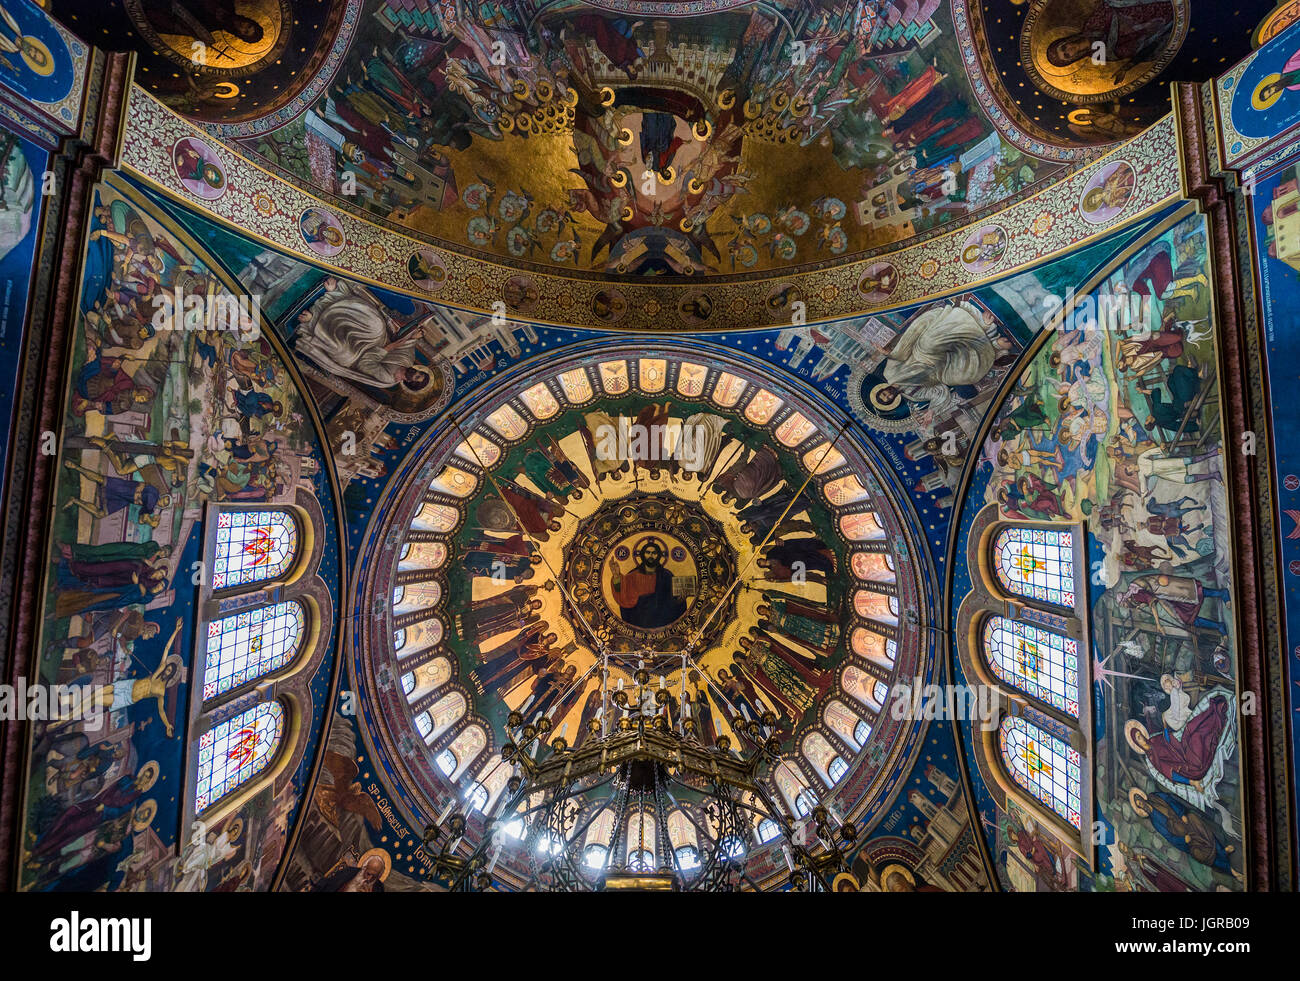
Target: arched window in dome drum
837 769
465 749
447 762
863 687
445 713
805 802
641 832
1044 765
477 796
601 828
494 775
680 829
861 732
253 545
819 753
233 752
881 692
688 858
595 857
842 721
767 830
732 846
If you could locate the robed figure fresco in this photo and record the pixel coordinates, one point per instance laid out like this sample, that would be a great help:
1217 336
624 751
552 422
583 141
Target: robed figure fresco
645 592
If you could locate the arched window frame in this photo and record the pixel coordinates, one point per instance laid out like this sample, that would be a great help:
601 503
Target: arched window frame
862 732
989 598
288 685
220 514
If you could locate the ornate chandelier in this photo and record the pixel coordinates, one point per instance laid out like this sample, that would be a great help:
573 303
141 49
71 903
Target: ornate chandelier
636 761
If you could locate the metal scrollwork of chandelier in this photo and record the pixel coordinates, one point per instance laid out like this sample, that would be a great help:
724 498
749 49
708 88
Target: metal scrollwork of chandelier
637 762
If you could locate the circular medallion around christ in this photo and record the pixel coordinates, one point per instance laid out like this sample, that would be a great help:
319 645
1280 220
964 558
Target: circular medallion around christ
647 572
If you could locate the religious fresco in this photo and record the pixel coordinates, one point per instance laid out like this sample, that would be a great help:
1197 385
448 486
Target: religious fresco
572 541
1257 100
1115 428
925 842
239 63
1084 207
556 465
42 68
21 165
351 839
1274 216
464 237
179 425
1090 72
586 140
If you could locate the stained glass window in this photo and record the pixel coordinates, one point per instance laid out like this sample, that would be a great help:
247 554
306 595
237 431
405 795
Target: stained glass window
594 857
688 858
253 546
837 769
767 830
732 847
245 646
861 733
1044 765
881 692
1037 564
805 802
235 751
1042 664
477 796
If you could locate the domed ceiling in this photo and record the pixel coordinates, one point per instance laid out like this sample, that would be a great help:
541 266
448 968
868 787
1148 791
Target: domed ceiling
530 268
632 139
645 139
658 509
1095 71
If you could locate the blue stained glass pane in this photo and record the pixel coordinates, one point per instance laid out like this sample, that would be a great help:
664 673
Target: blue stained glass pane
1044 765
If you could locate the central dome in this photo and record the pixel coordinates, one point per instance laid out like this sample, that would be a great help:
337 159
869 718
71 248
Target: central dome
621 511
